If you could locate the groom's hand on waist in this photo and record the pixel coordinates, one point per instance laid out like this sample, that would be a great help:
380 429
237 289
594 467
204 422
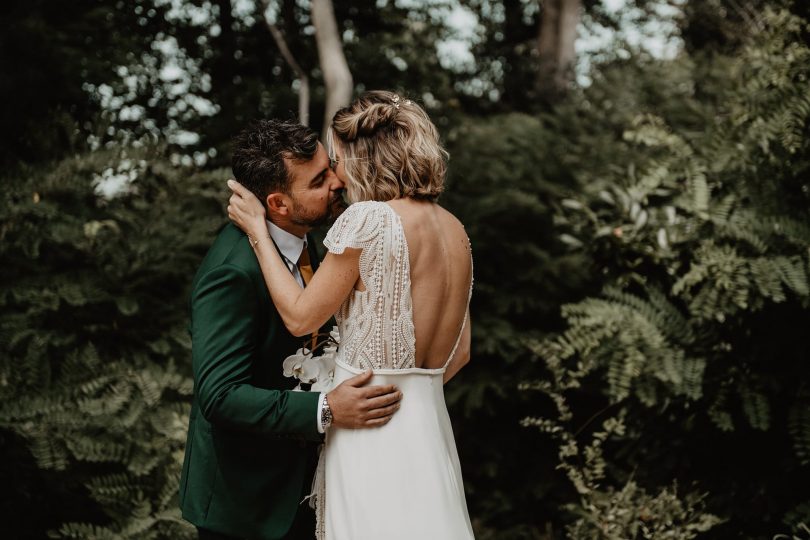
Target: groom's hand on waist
355 406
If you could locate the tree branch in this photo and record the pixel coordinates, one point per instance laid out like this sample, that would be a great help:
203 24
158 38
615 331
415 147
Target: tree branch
303 80
336 74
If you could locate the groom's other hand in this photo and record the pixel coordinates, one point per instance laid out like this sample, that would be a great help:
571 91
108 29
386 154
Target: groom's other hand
355 406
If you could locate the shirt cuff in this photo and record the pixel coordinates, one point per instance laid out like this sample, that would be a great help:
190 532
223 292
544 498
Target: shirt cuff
320 408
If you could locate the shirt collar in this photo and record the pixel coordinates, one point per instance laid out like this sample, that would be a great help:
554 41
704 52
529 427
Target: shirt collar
288 244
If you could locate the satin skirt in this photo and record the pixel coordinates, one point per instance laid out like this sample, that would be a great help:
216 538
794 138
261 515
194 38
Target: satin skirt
399 481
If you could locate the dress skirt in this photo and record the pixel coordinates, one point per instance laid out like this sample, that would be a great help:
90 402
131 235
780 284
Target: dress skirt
401 481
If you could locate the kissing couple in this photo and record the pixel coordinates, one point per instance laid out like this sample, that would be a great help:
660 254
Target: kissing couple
397 278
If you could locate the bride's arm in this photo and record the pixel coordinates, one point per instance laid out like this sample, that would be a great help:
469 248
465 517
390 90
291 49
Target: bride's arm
462 355
302 310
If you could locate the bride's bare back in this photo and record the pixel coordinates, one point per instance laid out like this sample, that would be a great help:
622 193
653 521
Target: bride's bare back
441 271
406 474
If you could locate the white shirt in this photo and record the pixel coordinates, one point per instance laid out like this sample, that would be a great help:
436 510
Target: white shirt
291 247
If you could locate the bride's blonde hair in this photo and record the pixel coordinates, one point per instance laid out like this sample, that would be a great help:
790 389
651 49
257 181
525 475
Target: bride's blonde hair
390 149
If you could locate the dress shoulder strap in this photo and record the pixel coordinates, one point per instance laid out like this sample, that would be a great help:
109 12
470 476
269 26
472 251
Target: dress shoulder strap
466 310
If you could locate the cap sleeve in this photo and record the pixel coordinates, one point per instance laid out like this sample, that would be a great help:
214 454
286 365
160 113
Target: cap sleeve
358 227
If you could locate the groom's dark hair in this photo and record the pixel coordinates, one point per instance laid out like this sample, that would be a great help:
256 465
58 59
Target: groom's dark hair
259 152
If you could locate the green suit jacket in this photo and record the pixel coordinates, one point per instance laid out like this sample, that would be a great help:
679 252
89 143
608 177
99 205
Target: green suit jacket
250 446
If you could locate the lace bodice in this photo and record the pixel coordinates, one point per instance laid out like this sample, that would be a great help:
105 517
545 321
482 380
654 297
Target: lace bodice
376 325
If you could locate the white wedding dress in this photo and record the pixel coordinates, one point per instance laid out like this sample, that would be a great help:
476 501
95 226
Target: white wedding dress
402 480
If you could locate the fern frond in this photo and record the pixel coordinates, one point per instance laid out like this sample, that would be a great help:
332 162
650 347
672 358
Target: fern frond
756 407
799 428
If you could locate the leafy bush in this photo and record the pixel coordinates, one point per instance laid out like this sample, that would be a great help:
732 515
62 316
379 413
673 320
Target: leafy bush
665 207
697 339
95 351
504 180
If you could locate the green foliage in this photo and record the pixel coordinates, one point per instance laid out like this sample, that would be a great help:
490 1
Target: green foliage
663 516
49 53
664 207
606 513
703 239
504 180
95 350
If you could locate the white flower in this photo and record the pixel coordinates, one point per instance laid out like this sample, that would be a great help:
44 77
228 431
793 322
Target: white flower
327 360
324 385
293 365
327 365
326 373
335 334
316 370
309 371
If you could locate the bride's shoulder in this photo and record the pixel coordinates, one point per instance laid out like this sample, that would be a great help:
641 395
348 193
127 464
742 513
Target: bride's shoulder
455 230
449 222
450 217
357 226
366 206
359 213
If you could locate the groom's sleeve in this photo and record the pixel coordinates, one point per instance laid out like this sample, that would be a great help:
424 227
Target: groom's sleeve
224 322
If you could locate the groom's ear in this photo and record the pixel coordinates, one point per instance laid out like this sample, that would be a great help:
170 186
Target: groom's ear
277 204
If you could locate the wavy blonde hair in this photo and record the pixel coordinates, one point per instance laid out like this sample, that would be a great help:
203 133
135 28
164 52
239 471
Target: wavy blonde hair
390 149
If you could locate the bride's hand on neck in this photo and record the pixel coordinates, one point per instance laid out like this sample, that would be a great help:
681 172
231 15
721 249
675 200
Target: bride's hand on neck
302 310
246 211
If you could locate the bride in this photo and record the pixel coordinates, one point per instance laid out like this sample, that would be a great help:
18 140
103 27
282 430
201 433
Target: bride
398 278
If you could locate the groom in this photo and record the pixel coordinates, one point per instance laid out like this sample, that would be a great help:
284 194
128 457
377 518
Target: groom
250 451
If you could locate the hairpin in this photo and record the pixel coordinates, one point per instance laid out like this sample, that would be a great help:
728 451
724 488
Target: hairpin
395 101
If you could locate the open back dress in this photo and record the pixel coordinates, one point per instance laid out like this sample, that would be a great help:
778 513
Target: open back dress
402 480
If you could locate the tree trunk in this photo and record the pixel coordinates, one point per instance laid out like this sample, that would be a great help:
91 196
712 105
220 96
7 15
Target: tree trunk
518 73
336 74
225 44
555 45
303 80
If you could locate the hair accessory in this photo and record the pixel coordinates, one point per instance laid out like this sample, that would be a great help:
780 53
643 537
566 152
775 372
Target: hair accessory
395 101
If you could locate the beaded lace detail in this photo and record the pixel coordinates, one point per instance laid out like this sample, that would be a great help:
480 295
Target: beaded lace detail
376 325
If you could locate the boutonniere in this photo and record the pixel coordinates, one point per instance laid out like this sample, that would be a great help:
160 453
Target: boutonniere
315 369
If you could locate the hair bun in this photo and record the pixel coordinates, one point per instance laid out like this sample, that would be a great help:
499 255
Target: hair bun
370 120
390 148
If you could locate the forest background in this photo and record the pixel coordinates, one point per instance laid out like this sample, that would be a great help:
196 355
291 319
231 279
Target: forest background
639 220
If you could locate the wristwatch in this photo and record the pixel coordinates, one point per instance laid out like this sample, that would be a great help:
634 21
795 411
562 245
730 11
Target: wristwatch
326 414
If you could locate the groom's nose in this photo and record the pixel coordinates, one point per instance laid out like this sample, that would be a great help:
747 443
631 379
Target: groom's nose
335 183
